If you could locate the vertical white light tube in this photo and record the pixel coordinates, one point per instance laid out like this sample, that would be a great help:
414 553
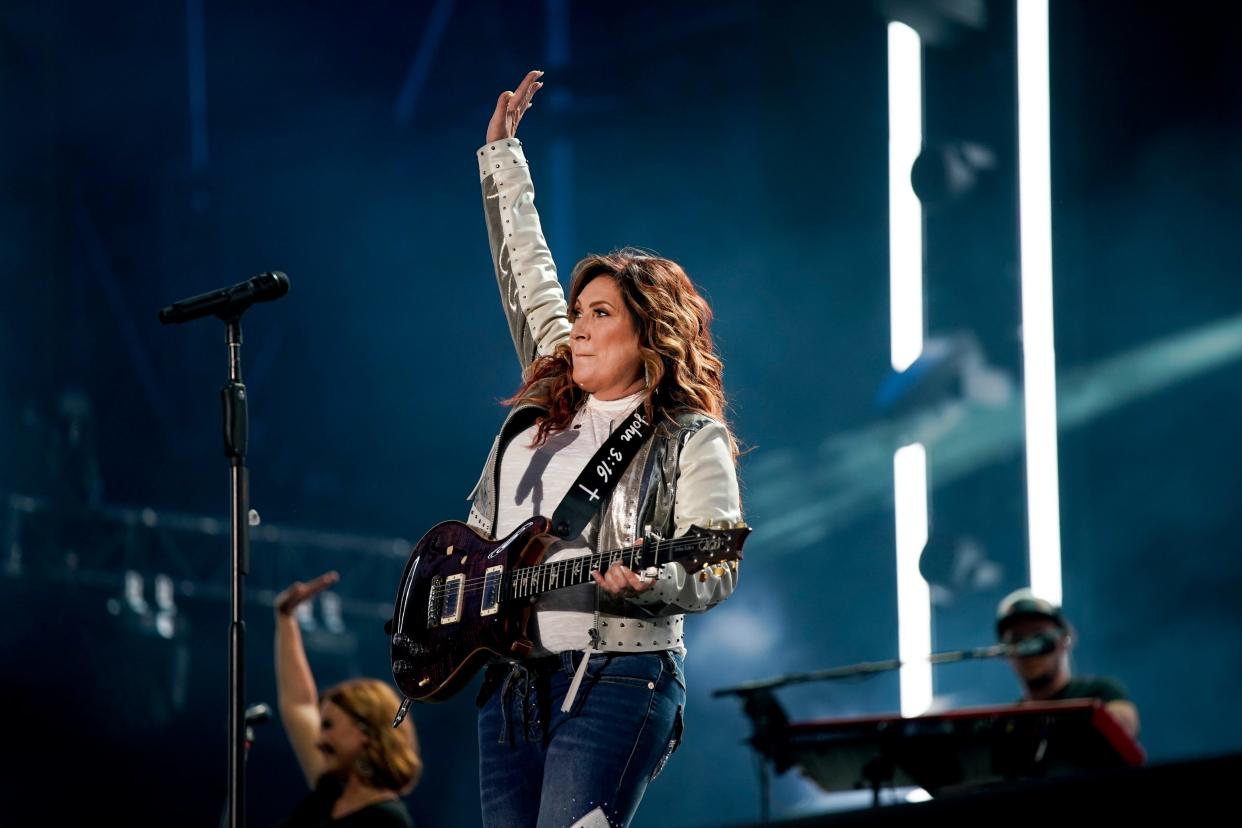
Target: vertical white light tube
905 233
905 213
913 594
1038 351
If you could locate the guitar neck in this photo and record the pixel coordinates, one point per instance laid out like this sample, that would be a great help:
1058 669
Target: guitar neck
545 577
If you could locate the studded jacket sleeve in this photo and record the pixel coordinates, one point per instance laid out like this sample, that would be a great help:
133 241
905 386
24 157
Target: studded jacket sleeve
531 296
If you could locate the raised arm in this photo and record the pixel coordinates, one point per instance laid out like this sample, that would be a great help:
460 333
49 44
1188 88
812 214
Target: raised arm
297 696
530 295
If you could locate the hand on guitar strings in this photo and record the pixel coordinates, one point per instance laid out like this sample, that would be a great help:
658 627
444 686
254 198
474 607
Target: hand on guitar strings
622 581
297 592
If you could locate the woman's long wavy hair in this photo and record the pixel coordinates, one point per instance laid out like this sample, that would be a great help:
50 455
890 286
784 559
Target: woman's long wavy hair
390 756
679 357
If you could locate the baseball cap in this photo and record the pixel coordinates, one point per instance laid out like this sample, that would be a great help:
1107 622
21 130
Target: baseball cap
1023 602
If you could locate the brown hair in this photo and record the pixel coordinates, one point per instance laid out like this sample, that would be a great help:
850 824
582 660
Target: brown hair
391 753
673 321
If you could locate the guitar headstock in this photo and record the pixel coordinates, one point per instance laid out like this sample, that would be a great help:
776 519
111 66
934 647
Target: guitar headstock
701 546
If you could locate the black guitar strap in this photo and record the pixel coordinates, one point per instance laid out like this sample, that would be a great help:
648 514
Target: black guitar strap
599 478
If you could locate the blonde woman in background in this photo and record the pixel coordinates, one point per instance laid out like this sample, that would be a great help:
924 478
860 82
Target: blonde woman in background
356 764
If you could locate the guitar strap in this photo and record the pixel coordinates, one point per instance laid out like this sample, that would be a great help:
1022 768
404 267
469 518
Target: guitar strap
597 480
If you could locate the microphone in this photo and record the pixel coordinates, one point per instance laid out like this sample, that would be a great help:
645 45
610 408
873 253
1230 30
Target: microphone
228 301
1038 644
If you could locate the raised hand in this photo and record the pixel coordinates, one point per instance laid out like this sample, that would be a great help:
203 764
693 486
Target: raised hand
511 106
297 592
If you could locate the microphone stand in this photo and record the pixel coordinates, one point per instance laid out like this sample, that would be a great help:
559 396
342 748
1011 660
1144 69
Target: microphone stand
864 668
236 439
228 305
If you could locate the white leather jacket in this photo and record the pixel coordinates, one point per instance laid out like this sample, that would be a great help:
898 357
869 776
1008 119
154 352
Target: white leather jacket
685 475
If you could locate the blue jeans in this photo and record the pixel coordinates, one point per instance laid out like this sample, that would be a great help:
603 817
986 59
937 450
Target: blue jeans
541 767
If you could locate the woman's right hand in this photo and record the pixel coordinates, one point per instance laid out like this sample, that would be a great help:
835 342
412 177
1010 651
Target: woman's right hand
511 106
297 592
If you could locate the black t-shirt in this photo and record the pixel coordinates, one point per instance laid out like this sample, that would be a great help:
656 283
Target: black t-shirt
1092 687
315 811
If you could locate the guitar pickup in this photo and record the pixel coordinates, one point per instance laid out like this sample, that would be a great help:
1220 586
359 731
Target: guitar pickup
451 598
492 578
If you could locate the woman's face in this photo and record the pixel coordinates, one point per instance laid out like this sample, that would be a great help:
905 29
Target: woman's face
604 342
341 740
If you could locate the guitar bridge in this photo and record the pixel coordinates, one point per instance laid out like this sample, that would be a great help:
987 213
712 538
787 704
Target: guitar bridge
434 600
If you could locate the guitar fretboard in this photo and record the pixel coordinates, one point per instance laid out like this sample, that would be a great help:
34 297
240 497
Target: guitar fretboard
532 580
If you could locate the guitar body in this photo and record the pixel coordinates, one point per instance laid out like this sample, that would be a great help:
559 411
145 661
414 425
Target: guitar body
449 619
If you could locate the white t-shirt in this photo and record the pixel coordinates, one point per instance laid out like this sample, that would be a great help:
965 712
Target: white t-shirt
533 481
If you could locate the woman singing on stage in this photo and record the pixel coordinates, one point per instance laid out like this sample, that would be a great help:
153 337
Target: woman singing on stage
573 734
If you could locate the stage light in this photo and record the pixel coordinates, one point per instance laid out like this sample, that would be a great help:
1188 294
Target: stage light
330 607
1038 351
166 606
913 594
905 214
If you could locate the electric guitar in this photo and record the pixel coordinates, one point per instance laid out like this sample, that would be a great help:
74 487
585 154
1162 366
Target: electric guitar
464 599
